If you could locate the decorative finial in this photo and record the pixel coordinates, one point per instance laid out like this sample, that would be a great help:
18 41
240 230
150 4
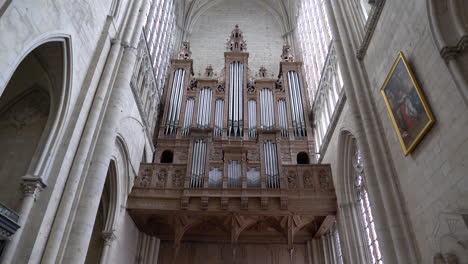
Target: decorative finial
262 73
236 41
209 71
184 52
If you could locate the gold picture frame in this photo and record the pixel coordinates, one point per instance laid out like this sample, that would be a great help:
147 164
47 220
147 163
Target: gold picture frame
408 109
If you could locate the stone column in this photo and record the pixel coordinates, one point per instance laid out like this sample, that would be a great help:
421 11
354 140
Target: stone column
59 229
108 237
31 186
83 223
394 231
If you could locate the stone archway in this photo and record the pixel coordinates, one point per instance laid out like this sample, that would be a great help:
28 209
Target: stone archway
33 106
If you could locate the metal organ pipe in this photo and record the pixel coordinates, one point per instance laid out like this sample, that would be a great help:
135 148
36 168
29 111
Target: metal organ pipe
271 164
236 102
175 102
219 117
198 163
252 118
234 174
297 108
283 119
188 116
204 108
267 115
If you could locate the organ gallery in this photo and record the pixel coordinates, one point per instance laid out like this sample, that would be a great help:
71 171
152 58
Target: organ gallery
232 160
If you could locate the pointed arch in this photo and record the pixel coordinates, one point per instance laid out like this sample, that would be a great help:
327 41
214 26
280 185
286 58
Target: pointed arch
42 95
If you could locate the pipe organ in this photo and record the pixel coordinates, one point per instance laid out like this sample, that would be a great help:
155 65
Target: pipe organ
175 101
188 116
297 108
235 161
236 99
218 129
268 114
204 108
252 118
239 129
198 163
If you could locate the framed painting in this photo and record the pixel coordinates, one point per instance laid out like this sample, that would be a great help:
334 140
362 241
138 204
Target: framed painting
406 105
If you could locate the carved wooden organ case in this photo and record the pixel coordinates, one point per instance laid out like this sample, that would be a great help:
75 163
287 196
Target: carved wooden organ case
234 130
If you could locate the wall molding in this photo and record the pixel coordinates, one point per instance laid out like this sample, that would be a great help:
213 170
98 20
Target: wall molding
369 28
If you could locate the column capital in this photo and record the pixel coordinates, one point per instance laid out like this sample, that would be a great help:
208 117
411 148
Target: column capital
108 236
32 185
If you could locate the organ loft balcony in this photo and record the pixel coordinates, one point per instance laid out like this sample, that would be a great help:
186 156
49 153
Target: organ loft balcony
232 157
165 203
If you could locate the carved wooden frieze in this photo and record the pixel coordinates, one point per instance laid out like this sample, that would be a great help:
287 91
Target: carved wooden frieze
253 155
292 179
178 178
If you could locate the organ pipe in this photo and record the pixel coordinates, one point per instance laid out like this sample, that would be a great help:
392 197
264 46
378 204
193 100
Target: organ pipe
219 105
297 109
271 164
234 174
198 163
215 178
236 99
175 101
204 108
283 119
267 114
188 116
252 118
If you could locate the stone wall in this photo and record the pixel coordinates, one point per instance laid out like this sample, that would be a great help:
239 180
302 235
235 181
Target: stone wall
432 179
261 30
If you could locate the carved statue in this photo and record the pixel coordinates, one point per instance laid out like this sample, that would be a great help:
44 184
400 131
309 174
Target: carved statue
177 178
251 88
279 85
308 180
184 52
221 87
262 73
145 178
192 85
292 180
161 178
209 71
323 179
253 155
287 55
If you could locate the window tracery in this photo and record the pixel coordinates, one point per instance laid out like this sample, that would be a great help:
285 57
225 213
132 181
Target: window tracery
367 217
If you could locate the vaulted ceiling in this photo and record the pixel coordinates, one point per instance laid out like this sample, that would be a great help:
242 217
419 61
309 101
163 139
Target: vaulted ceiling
188 11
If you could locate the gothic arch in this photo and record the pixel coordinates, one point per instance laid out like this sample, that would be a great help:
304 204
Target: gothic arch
449 28
349 220
34 108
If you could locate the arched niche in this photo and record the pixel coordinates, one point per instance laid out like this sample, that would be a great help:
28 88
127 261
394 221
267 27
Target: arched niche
167 156
106 218
32 108
302 158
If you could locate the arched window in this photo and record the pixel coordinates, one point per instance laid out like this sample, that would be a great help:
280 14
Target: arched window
167 156
365 208
302 158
